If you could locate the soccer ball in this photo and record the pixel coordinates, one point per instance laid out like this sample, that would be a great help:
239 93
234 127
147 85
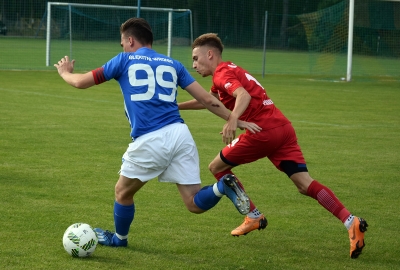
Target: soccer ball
80 240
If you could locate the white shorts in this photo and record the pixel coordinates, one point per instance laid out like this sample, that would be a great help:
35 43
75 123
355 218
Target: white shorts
169 153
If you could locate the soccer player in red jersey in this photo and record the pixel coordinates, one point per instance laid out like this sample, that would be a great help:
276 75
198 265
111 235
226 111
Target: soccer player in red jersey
162 146
248 101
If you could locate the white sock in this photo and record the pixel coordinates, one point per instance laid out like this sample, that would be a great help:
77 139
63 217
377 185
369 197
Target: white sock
254 214
121 237
216 190
349 221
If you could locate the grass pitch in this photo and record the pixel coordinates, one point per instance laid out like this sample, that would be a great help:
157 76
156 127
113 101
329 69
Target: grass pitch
61 148
30 54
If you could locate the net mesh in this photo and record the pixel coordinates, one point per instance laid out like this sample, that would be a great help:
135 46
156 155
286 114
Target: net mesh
302 38
326 32
376 36
90 32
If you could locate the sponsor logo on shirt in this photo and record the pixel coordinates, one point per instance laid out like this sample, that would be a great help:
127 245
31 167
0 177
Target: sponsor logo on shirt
139 57
162 59
144 57
267 102
227 85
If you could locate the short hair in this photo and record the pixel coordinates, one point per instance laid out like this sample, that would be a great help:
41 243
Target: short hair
139 28
209 39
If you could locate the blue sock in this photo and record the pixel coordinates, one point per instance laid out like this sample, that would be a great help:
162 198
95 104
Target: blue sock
207 198
220 185
123 217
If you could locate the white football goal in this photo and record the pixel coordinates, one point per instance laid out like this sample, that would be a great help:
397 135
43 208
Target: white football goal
83 29
350 38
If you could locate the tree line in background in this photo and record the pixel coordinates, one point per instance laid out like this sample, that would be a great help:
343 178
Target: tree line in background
237 21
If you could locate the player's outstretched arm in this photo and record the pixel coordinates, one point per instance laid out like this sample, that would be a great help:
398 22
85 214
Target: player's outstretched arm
215 106
191 105
65 68
207 100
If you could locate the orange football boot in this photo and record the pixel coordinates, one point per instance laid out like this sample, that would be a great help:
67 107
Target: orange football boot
250 224
356 235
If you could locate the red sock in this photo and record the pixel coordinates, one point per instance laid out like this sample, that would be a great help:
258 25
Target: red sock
219 175
328 200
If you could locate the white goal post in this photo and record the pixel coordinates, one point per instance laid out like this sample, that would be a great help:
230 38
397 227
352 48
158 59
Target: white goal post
350 41
340 35
69 5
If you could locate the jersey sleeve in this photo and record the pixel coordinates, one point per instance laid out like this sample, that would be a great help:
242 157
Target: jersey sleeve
184 77
228 81
98 75
114 67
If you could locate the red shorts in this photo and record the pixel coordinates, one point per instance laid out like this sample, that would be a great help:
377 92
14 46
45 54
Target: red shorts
277 144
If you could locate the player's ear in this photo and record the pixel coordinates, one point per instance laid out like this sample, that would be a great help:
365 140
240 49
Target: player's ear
131 41
210 54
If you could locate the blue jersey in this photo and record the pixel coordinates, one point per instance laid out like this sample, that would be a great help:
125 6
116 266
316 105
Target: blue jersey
149 83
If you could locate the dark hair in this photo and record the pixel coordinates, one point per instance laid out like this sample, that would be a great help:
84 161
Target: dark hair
209 39
138 28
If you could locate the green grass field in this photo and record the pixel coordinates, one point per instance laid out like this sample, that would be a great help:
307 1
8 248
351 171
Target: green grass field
61 148
30 54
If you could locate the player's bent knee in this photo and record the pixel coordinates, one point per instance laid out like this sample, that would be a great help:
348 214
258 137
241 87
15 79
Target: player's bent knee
220 164
290 167
194 209
301 188
122 195
213 168
298 173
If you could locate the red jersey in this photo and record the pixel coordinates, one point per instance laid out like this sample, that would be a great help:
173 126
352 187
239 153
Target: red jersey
261 110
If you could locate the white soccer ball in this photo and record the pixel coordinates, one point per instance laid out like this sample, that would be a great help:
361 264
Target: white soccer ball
80 240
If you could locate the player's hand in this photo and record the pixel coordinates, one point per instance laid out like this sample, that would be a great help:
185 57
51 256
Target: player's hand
229 130
253 128
65 65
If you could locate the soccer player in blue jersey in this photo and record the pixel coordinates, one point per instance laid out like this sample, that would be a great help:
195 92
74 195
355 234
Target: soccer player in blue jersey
162 144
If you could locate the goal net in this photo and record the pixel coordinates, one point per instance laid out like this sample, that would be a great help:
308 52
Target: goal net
326 32
376 38
90 33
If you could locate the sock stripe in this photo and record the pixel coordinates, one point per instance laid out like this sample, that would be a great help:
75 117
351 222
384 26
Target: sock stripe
120 237
216 191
